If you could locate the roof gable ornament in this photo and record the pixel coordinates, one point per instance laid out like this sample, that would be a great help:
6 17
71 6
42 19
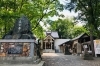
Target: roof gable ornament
49 37
53 34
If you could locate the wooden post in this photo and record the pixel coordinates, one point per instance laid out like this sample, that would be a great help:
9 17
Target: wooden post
45 45
51 45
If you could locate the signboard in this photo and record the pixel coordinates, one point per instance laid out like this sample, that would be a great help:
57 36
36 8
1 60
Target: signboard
97 46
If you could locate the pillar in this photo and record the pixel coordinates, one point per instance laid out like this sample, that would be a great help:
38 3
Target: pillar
31 50
45 45
41 44
51 45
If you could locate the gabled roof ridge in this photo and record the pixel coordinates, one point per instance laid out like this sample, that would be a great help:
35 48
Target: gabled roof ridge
47 36
79 36
54 34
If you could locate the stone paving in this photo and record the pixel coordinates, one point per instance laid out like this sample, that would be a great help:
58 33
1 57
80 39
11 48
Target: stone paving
58 59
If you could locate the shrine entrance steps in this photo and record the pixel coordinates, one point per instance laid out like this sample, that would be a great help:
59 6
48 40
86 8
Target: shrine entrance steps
48 51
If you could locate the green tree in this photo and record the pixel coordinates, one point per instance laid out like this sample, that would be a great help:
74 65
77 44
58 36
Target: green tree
77 30
89 13
63 27
66 28
35 10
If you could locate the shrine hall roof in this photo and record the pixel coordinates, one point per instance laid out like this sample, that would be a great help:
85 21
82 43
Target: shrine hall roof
54 34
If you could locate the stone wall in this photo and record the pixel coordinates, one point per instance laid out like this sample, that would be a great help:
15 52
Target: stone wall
17 51
14 49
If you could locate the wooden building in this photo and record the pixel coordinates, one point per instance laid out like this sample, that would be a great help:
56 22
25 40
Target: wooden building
52 41
66 47
80 42
77 46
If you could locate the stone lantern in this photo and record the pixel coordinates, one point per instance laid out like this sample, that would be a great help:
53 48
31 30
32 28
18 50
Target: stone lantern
86 54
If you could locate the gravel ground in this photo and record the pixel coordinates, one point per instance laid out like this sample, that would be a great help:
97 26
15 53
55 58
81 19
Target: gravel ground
58 59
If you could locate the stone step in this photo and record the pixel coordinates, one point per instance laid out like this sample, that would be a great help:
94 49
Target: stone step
48 51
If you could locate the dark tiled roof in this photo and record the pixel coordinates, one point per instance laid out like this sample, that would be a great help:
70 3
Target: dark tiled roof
79 36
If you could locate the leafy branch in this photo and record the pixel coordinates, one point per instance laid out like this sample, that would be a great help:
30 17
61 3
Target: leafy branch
43 15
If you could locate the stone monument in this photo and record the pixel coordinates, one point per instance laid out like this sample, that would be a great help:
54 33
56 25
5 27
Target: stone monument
21 30
18 45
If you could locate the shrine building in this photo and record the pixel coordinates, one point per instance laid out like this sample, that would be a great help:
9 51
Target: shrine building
52 41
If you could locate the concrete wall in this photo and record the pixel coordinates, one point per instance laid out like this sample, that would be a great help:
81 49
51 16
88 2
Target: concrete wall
58 42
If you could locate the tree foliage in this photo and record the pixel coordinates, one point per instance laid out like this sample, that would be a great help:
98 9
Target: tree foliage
35 10
77 30
66 28
89 12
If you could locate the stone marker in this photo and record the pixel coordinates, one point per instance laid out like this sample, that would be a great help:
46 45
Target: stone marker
21 30
20 51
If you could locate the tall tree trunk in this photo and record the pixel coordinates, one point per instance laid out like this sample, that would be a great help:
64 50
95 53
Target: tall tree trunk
92 42
92 25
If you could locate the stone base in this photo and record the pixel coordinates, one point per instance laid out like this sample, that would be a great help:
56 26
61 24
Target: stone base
67 53
48 51
42 63
19 60
87 57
